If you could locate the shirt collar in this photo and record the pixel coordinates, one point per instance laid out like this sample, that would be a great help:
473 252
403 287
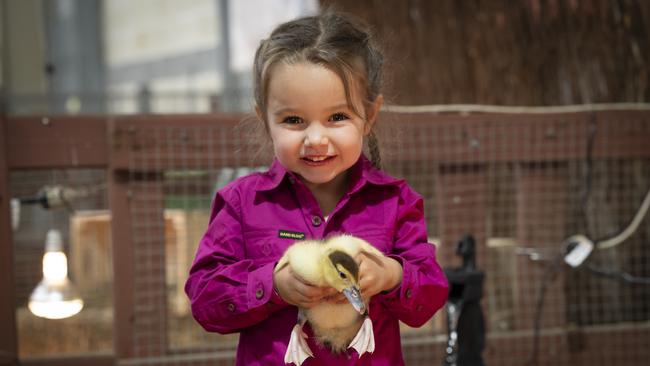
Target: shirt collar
272 177
361 172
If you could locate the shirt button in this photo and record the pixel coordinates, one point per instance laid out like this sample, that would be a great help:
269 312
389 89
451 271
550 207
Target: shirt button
316 220
259 293
408 293
419 308
231 307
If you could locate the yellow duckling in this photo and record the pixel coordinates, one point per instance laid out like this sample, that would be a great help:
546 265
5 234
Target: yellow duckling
337 326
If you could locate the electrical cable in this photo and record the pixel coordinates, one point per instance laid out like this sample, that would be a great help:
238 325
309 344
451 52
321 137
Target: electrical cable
618 275
617 238
589 164
599 244
631 228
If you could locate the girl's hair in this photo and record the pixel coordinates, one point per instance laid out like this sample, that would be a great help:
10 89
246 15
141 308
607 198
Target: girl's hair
333 40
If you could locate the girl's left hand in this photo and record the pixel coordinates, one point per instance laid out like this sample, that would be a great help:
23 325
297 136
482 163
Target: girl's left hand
377 274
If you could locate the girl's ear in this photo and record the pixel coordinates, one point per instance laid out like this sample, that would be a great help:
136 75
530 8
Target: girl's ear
373 112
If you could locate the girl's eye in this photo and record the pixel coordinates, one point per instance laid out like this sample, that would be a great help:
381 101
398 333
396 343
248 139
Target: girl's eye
292 120
338 117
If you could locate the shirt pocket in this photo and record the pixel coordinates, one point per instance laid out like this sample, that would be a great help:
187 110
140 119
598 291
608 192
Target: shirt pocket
265 245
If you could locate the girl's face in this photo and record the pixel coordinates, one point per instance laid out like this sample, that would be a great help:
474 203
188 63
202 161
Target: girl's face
314 132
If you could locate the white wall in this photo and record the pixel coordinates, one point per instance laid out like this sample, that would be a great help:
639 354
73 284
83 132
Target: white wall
150 29
246 29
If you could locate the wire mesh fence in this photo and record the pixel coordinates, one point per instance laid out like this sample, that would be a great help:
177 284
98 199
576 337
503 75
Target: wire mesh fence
520 184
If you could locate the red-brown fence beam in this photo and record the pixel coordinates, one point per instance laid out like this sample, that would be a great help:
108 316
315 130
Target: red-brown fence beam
489 138
8 335
82 141
213 138
472 139
57 142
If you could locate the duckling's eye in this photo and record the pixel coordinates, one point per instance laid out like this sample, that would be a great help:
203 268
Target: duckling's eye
342 275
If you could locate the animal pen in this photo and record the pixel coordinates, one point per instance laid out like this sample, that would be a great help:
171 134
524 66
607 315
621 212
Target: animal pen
519 183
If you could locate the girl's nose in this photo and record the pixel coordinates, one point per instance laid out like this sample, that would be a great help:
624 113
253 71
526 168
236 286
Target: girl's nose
316 135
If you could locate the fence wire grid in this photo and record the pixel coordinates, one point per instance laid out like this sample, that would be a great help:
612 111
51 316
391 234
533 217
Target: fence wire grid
519 184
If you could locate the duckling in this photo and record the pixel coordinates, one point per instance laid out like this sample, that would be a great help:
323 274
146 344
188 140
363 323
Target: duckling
337 326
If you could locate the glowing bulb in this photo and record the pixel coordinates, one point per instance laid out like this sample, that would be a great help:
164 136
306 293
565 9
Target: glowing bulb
55 267
55 297
15 213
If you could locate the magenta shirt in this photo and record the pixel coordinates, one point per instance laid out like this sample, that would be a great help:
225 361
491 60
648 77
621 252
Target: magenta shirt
230 285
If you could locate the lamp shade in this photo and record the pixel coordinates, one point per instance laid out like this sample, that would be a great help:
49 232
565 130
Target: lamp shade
55 296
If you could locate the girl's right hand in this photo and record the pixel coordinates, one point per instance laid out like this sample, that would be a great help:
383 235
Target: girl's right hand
296 291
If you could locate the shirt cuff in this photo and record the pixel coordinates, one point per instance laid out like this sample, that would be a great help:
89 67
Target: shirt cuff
260 289
404 291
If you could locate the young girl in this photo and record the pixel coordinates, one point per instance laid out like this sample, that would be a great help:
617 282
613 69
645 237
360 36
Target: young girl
317 91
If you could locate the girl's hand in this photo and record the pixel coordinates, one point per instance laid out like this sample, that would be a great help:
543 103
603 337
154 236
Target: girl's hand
296 291
377 274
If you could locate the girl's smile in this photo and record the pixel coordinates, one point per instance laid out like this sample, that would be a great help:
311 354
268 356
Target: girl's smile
317 160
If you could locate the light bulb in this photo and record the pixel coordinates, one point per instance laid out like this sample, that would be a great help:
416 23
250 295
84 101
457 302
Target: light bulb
15 213
55 267
55 297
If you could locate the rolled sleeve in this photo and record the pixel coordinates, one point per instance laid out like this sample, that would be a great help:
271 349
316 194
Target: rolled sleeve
424 286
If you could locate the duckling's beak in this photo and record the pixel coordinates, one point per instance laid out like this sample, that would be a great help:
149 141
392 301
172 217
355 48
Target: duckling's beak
354 296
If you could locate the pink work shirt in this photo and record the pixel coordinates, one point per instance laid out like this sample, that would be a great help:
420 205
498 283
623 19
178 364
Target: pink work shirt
255 218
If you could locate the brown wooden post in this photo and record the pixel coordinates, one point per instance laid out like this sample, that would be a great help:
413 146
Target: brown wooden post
137 207
123 261
123 271
8 334
149 281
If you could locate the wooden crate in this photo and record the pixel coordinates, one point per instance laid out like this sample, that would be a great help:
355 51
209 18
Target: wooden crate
91 260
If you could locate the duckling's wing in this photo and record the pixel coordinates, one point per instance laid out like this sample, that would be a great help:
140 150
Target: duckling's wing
304 259
369 248
364 341
297 349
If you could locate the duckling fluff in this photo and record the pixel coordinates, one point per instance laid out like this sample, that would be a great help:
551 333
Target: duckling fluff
337 326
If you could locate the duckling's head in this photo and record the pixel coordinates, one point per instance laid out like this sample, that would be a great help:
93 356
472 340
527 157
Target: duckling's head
342 273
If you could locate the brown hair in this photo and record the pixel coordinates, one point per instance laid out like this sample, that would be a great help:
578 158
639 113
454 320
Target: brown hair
333 40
